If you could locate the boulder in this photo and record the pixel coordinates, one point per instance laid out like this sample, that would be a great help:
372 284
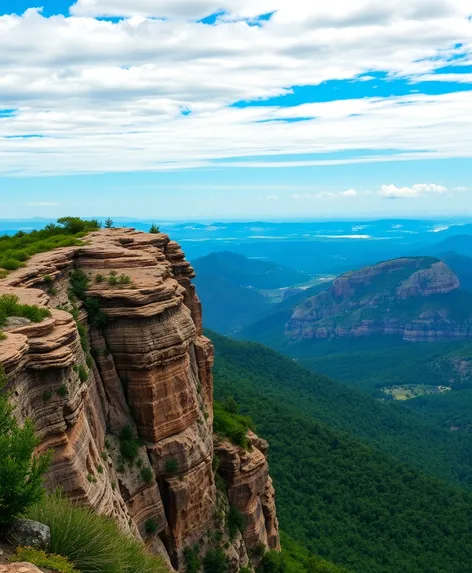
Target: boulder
28 533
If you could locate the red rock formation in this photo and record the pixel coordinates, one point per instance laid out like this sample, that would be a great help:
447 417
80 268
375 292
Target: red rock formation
391 298
250 489
150 373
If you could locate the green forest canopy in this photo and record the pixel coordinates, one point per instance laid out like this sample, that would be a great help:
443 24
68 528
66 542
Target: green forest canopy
343 499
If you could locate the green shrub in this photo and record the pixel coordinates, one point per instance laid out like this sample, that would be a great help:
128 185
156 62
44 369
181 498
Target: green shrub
99 278
100 469
93 543
235 522
62 391
123 279
89 360
231 426
171 466
154 229
83 374
272 562
10 306
52 291
95 314
193 562
215 561
11 264
108 223
42 559
129 444
147 475
74 225
3 336
47 395
150 526
79 283
20 471
47 279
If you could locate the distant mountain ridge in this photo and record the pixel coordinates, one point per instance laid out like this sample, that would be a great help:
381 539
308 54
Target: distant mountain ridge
231 288
417 298
248 272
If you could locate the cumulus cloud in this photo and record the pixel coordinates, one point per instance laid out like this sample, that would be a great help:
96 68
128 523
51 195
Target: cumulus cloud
154 91
394 192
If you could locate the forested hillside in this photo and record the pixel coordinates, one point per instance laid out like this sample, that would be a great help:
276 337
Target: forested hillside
344 500
397 431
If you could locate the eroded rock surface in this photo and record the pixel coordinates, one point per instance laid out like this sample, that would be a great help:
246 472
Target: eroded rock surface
145 372
413 298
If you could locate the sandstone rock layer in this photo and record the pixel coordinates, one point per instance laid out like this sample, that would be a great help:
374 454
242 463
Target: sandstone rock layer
139 381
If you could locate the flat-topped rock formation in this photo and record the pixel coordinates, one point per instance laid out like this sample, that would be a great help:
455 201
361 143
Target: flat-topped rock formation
130 368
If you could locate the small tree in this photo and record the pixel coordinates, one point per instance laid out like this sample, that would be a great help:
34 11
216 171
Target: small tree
215 561
230 405
108 223
272 562
20 472
154 229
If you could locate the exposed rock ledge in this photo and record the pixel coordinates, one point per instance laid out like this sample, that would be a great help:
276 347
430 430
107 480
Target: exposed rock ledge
151 371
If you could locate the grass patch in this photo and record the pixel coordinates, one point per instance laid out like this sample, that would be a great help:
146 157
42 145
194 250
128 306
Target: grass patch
231 425
10 306
122 279
42 559
83 374
147 475
92 543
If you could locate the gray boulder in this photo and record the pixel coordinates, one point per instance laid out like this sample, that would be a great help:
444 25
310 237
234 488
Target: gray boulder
28 533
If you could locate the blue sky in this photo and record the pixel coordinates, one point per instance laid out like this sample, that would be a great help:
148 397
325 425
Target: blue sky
178 110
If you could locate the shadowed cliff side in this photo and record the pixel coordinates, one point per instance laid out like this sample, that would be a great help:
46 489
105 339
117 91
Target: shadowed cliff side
118 383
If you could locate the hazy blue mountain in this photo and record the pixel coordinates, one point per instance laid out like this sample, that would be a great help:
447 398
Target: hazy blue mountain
242 271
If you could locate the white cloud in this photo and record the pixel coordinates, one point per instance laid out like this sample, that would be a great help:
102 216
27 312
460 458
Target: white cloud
349 193
272 198
394 192
116 95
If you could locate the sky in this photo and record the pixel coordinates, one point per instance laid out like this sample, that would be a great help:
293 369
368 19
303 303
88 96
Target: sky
192 109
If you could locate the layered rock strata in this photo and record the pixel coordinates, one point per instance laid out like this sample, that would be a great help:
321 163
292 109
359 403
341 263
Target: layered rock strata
127 406
412 298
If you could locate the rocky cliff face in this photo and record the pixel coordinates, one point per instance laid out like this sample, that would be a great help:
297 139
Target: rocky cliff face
419 299
121 390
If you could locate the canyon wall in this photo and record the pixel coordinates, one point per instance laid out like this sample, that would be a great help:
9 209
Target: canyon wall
120 388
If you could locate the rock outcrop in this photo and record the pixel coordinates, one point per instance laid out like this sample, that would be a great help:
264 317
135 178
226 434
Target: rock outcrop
119 384
413 298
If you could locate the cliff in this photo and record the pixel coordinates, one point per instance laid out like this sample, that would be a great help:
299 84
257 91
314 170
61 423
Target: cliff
118 381
418 299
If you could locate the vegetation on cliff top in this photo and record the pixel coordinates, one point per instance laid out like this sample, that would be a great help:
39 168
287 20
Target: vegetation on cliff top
15 250
10 306
227 423
340 498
